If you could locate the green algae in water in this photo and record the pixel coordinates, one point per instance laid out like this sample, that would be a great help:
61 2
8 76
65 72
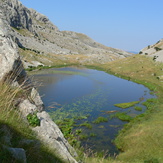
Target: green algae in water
90 103
126 105
83 136
100 120
138 108
122 116
86 124
93 135
80 108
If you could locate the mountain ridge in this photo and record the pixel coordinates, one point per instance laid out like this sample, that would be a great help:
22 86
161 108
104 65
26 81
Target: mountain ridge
33 31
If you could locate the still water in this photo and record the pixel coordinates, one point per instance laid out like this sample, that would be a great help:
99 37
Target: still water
79 92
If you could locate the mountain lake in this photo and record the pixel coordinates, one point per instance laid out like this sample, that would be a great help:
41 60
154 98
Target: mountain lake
85 99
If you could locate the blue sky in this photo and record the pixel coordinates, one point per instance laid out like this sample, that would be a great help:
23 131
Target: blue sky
124 24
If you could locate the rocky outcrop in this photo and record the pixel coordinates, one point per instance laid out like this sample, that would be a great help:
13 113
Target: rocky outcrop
155 51
50 134
13 72
9 57
34 32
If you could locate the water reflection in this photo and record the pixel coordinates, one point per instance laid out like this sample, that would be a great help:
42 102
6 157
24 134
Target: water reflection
82 92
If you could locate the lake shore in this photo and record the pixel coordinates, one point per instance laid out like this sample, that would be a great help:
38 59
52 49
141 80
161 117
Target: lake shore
142 70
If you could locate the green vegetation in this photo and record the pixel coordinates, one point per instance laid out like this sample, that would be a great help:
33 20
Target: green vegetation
15 133
140 139
126 105
33 119
149 102
122 116
100 120
86 124
92 135
138 108
83 136
66 125
157 48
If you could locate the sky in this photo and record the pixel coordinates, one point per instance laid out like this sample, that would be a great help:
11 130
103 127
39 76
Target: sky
129 25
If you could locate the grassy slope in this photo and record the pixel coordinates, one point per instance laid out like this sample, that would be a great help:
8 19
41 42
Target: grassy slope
142 139
15 133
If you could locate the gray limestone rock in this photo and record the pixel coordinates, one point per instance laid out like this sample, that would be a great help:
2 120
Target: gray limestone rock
11 65
27 107
34 32
51 135
35 97
154 51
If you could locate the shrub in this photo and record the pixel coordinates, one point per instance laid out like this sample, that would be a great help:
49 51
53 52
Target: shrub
157 48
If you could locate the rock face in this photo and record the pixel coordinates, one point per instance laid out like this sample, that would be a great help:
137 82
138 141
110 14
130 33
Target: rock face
155 51
55 141
9 57
13 72
33 32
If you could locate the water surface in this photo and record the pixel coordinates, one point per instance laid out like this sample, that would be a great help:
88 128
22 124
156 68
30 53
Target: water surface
72 92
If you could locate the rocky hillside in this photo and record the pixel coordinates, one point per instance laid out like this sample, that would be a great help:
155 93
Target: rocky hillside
40 40
155 51
29 102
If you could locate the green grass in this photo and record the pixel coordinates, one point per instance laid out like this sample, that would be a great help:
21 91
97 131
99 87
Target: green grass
14 131
126 105
141 139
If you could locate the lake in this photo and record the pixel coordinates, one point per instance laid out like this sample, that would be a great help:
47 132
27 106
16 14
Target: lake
81 95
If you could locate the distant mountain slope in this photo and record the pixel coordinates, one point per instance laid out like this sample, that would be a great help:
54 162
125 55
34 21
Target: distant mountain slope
155 51
35 33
